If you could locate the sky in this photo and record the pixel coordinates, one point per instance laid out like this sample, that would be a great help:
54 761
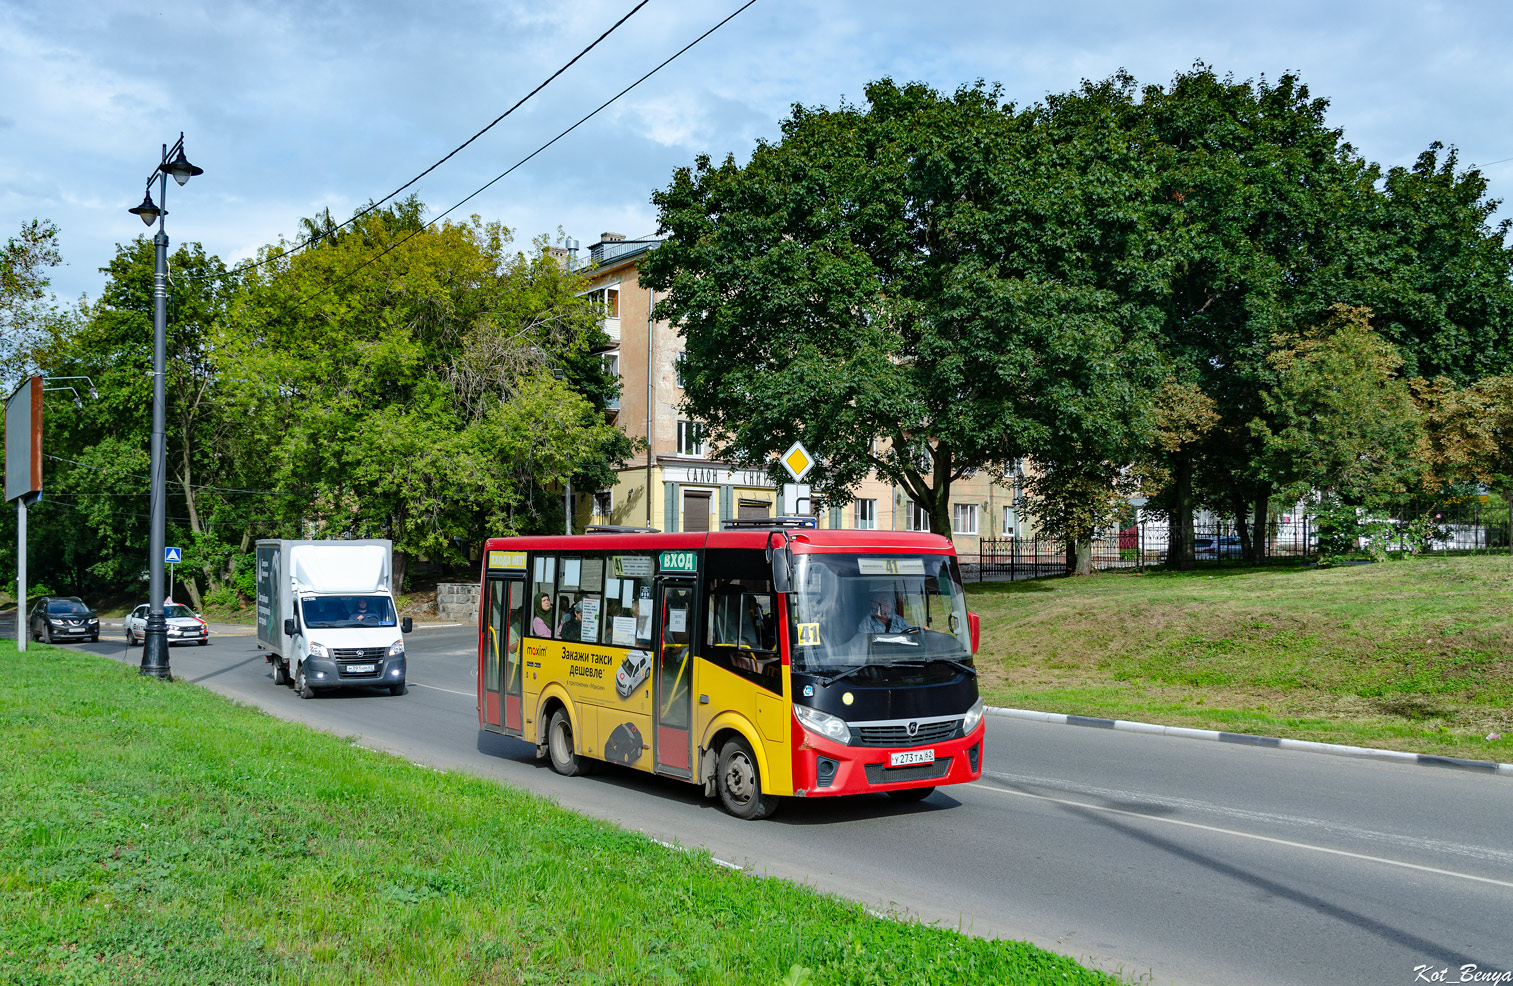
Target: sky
294 107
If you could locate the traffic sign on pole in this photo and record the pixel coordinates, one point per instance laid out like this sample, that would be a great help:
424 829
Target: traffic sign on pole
172 556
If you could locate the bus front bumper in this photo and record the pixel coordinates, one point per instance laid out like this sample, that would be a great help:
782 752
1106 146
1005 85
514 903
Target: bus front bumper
823 768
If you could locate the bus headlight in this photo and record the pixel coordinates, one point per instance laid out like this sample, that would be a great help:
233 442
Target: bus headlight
971 720
397 649
823 724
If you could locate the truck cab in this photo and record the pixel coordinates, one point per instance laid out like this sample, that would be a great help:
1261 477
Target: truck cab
327 617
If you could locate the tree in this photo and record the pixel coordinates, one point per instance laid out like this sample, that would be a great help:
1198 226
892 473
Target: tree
923 287
98 453
1339 421
1468 436
1264 190
23 284
407 374
1280 220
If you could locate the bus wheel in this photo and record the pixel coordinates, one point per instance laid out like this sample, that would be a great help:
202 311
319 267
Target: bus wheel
740 782
559 746
910 794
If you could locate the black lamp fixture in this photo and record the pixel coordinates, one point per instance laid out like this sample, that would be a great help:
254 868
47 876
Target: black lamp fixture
180 168
148 210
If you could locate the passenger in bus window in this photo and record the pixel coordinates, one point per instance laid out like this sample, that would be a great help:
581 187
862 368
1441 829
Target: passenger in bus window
882 619
571 627
540 626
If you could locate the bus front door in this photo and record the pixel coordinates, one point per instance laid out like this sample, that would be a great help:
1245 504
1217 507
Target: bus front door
502 684
674 678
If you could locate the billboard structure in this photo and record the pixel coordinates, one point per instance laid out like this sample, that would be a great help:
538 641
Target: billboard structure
23 475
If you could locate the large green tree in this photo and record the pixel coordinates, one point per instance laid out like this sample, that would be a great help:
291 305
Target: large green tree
923 286
93 518
1281 219
24 264
418 381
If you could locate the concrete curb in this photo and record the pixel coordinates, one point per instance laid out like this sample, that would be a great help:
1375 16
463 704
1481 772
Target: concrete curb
1246 739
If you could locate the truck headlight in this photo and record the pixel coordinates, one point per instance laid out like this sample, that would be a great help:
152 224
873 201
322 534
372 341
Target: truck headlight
319 649
973 717
823 724
397 649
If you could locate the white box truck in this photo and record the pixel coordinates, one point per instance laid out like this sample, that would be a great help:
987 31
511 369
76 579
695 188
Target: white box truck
326 615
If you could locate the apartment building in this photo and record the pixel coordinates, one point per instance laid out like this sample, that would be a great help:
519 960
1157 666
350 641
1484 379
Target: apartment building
676 486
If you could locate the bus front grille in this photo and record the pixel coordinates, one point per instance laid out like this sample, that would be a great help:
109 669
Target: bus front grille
898 735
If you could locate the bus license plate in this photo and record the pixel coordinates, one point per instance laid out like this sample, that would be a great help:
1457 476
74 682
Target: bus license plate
911 757
367 668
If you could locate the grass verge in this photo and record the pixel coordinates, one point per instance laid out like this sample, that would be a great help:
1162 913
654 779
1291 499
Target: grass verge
158 833
1414 655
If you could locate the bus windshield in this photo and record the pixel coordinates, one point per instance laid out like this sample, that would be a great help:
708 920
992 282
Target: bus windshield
848 611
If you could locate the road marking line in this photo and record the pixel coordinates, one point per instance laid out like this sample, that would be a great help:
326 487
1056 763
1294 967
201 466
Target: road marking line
1483 854
1251 835
438 688
713 859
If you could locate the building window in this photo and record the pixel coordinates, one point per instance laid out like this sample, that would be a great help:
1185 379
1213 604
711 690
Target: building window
606 302
1009 522
866 515
690 438
604 503
916 517
964 518
677 368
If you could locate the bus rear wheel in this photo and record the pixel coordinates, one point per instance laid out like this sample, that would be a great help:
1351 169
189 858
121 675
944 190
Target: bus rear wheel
559 746
740 782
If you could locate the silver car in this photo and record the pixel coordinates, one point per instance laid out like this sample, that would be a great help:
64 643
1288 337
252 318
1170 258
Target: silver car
184 626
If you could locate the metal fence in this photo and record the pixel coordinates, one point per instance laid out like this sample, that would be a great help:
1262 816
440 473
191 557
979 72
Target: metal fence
1455 527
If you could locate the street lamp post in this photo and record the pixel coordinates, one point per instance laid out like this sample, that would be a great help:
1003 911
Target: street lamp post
155 635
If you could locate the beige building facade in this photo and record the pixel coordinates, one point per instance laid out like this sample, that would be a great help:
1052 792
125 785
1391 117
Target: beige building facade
675 486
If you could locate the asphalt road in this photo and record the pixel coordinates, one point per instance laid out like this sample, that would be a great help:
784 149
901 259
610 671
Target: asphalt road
1174 860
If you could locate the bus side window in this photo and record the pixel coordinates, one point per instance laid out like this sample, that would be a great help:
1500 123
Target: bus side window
542 617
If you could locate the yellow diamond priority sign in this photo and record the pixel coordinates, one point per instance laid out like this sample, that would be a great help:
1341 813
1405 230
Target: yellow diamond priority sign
798 461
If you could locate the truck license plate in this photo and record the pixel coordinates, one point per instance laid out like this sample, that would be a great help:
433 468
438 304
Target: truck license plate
362 668
911 757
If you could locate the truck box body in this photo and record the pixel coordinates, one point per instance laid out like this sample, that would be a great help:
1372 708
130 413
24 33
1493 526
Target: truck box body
339 595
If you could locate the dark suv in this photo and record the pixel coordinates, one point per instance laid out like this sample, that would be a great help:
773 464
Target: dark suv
57 618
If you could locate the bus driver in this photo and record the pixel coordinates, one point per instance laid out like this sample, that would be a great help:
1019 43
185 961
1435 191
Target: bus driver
882 619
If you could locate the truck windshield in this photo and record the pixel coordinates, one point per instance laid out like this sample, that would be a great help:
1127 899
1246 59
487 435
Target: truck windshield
324 612
853 610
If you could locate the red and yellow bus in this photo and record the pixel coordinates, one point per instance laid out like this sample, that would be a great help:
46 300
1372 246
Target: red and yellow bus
763 661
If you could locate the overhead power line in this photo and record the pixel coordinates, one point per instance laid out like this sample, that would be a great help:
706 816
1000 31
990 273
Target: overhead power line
171 482
372 206
468 198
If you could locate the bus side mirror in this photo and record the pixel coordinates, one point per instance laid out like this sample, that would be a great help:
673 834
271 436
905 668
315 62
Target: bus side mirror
406 625
290 630
782 571
974 627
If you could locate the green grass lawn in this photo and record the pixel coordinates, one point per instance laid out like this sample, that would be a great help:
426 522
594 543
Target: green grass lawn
1414 655
158 833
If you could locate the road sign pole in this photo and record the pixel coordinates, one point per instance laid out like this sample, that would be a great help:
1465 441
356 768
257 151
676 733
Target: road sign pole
21 627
